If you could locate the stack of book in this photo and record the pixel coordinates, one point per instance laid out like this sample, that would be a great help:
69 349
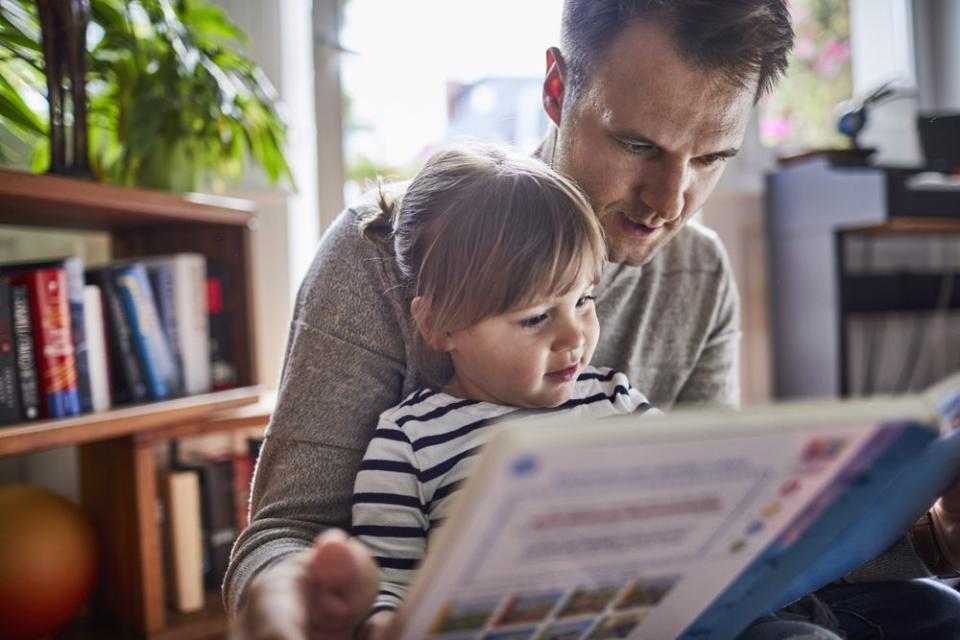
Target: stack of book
76 340
205 493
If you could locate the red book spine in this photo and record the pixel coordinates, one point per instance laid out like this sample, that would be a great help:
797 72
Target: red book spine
242 478
53 341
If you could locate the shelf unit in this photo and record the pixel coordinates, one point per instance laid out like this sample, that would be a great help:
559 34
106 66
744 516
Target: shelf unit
116 448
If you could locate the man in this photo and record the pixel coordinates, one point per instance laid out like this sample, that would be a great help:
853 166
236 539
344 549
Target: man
649 98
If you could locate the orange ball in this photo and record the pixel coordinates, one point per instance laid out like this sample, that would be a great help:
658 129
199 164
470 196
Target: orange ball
48 559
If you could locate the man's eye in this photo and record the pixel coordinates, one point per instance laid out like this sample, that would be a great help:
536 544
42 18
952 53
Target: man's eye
534 321
638 148
585 300
712 159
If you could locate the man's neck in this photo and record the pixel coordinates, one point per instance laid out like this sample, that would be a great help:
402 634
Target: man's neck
548 147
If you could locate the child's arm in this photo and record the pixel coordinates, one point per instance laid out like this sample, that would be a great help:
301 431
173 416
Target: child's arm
390 512
376 626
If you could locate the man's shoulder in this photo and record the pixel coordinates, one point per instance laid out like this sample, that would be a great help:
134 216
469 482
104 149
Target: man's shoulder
344 233
344 255
695 248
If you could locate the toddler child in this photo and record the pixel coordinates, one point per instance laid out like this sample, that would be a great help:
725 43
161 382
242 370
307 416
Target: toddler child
501 255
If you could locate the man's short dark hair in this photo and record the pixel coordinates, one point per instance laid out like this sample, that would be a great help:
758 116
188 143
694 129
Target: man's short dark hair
740 39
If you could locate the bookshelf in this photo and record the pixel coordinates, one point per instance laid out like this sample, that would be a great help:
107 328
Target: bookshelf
116 448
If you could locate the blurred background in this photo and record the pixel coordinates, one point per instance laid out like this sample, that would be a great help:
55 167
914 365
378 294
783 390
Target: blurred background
841 214
367 89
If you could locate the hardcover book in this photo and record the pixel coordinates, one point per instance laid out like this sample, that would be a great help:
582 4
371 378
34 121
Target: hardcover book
689 525
9 389
183 543
126 374
161 374
26 361
219 524
223 366
53 340
97 353
181 292
73 269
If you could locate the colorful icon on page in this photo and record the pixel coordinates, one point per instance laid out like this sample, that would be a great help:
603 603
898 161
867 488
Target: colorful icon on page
754 528
789 487
771 509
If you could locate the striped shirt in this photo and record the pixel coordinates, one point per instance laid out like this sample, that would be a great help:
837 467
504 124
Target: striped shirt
422 451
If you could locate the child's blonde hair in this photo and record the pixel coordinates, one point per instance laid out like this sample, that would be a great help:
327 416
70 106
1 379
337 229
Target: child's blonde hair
482 230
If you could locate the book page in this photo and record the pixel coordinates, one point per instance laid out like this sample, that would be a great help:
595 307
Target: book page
624 540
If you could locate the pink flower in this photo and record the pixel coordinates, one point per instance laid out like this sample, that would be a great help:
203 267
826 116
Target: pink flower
798 12
775 128
832 58
805 47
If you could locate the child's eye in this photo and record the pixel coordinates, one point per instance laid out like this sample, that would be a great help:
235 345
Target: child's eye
585 300
534 321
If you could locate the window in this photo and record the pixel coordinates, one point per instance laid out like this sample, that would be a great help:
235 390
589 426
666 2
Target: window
802 110
419 75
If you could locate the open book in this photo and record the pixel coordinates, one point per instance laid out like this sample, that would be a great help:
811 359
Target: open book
687 525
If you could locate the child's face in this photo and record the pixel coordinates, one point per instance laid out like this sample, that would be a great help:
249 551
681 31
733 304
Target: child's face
527 357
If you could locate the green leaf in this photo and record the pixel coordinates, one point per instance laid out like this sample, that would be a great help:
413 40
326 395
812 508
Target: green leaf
173 101
16 111
109 14
21 16
40 158
210 22
9 36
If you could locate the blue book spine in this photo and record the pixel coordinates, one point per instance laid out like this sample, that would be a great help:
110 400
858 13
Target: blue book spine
73 267
162 281
133 286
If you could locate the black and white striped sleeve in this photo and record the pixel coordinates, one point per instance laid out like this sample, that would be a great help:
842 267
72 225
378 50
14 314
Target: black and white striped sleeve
389 514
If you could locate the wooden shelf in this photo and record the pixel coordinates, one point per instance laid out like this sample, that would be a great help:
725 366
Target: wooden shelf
210 623
249 416
902 226
116 450
54 201
148 419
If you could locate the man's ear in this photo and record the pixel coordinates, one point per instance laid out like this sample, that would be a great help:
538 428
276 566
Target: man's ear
554 84
420 310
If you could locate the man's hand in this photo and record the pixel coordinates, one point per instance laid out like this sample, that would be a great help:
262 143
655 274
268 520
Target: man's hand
322 593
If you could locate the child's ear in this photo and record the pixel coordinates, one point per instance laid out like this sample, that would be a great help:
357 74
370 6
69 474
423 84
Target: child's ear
420 309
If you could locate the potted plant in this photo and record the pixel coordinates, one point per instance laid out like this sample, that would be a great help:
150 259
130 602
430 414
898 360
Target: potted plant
173 102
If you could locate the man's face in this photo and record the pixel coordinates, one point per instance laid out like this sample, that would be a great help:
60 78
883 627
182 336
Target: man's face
647 138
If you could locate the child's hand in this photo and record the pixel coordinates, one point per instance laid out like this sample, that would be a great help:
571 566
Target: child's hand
322 593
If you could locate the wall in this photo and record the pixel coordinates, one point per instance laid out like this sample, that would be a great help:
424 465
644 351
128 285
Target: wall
937 34
281 42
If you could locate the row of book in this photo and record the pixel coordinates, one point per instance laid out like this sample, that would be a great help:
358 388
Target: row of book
204 498
76 340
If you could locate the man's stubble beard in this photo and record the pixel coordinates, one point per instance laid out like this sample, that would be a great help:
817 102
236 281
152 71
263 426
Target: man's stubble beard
621 250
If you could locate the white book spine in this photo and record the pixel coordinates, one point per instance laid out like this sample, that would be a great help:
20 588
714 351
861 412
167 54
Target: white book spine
184 540
96 347
193 326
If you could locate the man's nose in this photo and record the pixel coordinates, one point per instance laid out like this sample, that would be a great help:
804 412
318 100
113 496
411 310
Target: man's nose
664 190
